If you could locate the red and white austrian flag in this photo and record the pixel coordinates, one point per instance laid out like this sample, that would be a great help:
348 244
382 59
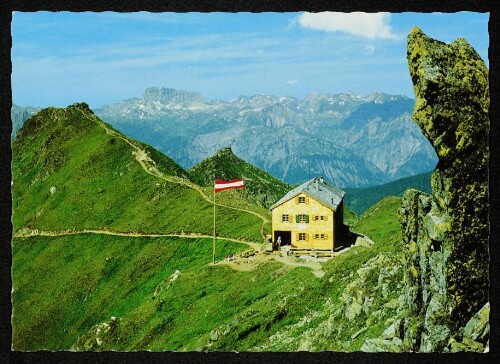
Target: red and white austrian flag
222 185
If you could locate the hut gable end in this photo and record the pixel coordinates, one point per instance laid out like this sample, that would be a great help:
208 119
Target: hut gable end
309 217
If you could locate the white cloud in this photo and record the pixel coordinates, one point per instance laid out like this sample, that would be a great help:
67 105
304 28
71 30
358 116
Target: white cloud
370 48
367 25
292 82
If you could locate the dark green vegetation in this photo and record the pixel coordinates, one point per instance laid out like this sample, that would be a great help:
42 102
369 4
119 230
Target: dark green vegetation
260 186
69 172
349 216
361 199
96 292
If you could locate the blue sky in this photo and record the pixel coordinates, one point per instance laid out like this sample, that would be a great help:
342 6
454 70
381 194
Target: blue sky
100 58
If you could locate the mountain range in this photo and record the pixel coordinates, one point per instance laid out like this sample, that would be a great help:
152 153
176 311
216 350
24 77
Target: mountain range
352 141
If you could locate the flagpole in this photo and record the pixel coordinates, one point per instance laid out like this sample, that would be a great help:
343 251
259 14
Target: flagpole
213 249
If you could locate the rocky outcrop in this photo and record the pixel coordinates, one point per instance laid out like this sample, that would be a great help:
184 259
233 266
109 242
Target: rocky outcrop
364 316
445 235
99 337
474 336
153 96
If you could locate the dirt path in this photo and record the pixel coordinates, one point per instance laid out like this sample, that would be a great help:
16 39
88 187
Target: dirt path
293 262
252 263
24 233
239 264
147 164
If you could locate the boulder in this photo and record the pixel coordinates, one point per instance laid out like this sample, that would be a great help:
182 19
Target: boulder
445 234
393 330
478 327
103 336
378 345
353 310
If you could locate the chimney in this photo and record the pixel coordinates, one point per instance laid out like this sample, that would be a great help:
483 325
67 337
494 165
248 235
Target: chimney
321 179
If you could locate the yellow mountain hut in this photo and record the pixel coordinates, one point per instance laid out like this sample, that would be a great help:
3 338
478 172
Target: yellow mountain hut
311 216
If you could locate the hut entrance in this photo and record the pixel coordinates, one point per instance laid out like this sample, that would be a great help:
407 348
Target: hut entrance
284 236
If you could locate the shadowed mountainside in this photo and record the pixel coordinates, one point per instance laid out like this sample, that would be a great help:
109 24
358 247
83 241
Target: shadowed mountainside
259 185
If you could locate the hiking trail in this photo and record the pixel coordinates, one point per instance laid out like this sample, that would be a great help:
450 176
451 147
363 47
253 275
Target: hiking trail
148 165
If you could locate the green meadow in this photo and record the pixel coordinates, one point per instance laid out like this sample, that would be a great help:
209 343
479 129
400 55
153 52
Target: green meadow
65 287
91 291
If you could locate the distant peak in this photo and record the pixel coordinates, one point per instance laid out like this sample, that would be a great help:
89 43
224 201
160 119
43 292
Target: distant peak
169 95
227 151
81 106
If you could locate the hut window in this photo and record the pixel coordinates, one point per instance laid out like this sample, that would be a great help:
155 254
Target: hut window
303 218
302 236
316 236
302 199
285 218
316 218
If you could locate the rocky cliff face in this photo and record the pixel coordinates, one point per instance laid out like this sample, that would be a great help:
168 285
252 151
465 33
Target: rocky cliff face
445 234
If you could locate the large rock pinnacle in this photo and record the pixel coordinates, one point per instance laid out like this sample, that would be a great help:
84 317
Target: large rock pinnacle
445 234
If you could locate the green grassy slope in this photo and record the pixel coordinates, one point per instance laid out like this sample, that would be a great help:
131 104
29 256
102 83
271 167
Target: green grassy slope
69 173
331 325
349 217
260 186
82 280
67 289
361 199
103 292
380 222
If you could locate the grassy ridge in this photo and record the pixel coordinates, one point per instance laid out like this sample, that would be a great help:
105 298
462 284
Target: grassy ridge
260 186
68 173
65 287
